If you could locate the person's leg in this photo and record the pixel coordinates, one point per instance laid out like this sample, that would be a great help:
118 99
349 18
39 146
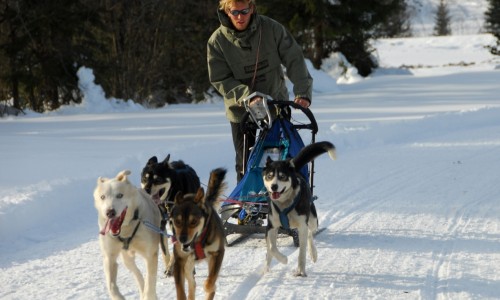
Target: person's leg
238 142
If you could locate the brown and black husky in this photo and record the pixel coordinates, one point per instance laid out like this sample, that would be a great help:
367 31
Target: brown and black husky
198 235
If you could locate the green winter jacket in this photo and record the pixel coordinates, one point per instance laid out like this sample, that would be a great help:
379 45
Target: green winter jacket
231 57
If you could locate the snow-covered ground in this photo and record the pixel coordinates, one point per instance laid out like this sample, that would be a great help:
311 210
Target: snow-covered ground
410 207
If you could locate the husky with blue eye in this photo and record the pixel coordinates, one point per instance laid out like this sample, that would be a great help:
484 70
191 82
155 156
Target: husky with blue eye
291 203
122 210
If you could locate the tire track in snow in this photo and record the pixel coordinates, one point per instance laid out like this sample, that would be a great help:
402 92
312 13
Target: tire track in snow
254 279
386 188
353 205
438 277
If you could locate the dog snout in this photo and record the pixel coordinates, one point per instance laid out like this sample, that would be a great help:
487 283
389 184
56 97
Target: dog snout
111 213
274 187
183 238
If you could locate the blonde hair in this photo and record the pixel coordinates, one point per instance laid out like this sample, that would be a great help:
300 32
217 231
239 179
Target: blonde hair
225 4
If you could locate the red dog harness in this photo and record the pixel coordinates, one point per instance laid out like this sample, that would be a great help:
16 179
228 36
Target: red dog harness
197 245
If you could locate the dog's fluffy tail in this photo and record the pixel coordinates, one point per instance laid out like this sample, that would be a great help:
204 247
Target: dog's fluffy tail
216 186
310 152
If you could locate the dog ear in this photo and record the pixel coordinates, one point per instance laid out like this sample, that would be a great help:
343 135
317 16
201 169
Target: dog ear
102 180
200 196
179 197
153 160
165 161
268 161
122 176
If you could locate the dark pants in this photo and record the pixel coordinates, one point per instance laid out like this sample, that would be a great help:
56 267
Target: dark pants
239 143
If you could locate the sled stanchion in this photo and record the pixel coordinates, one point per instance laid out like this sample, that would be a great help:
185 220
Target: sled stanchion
245 154
311 171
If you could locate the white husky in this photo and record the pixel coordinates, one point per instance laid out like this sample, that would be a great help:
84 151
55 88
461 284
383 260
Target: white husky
122 210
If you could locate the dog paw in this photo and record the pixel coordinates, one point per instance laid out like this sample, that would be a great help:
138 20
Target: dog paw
314 254
299 273
281 258
168 273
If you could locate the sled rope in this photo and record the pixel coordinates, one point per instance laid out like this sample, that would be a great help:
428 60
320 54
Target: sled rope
156 229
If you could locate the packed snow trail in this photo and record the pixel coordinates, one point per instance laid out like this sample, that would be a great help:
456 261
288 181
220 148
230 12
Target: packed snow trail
410 207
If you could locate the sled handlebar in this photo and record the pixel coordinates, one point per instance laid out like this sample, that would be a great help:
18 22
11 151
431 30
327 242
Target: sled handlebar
313 125
247 123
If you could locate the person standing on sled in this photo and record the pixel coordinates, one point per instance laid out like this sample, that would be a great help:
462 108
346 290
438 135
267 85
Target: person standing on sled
245 55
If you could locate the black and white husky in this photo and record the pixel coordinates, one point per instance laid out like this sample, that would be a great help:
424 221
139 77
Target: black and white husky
163 180
291 203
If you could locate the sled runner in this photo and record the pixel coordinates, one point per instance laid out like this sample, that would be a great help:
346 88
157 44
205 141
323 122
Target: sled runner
245 210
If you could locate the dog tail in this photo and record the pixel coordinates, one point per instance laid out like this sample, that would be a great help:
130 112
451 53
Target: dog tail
216 186
310 152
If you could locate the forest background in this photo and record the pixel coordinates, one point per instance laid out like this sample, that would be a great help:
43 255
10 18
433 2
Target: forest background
154 52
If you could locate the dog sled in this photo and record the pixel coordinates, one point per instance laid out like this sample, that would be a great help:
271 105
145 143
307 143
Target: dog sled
245 210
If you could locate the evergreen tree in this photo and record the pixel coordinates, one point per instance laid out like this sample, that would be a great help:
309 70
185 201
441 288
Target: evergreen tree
37 46
492 22
442 19
150 51
11 45
397 24
346 26
156 50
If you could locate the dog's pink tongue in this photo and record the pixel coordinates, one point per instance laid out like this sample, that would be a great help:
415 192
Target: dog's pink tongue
275 195
106 227
156 198
116 223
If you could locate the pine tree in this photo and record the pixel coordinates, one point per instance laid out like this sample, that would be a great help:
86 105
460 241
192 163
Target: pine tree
155 51
443 20
345 26
38 52
492 24
398 23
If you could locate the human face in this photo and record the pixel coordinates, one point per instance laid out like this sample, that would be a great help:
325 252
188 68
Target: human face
240 21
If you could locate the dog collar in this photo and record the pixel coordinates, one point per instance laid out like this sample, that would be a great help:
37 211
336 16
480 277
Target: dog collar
199 253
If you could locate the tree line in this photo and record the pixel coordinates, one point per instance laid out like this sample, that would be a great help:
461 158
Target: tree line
154 51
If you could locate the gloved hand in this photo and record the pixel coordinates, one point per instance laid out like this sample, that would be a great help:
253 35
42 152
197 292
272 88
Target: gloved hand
304 102
255 100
